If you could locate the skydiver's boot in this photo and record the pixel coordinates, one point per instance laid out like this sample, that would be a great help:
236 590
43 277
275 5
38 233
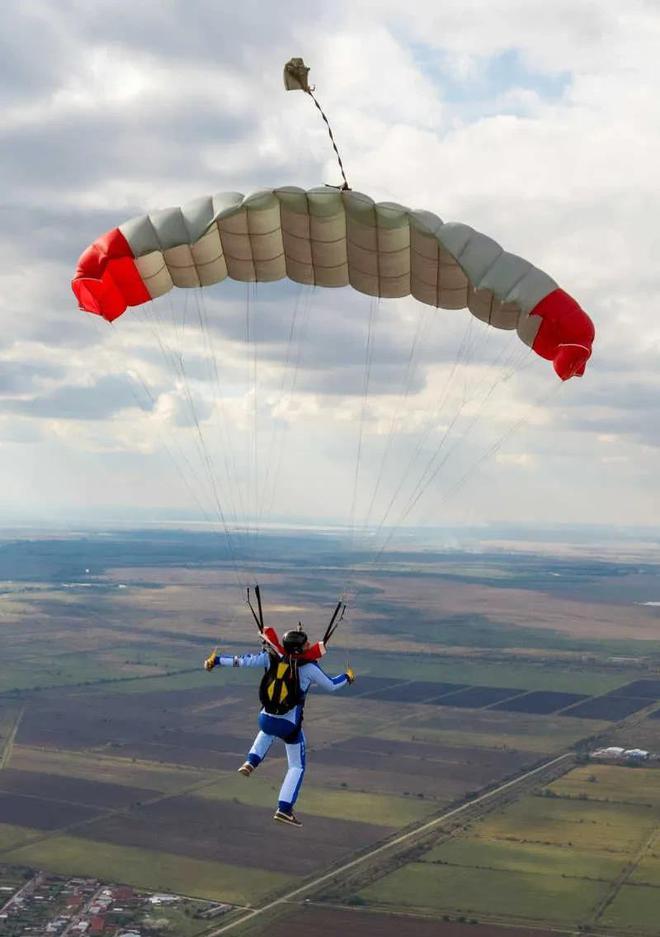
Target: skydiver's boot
246 769
286 817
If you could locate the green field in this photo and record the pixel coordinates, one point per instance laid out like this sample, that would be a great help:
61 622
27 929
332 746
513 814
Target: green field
434 667
190 680
585 825
528 858
647 872
634 908
11 836
614 783
493 729
93 767
65 670
548 860
130 670
566 677
515 895
117 667
143 868
380 809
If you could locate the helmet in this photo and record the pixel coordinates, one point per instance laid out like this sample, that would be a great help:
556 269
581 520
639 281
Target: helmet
293 642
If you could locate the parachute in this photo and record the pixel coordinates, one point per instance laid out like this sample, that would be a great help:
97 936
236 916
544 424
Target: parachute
326 238
333 238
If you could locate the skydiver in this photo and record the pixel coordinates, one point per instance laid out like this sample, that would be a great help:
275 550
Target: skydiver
283 691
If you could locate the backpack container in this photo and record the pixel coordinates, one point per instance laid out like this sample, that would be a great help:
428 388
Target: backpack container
279 691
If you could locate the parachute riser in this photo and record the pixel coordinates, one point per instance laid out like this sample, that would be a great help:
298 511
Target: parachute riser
336 619
258 615
258 618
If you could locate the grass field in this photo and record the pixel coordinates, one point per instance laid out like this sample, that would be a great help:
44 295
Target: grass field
95 766
516 895
634 908
380 809
65 671
118 647
645 734
323 921
567 678
585 825
494 729
69 666
527 857
648 871
612 783
156 871
195 679
555 859
12 836
433 667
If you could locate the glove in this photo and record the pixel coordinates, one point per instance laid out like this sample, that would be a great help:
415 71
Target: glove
212 660
350 675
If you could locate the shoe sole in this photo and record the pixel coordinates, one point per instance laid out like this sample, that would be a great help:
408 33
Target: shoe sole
297 825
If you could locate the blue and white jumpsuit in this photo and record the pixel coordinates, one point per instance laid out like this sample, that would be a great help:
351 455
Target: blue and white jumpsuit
287 727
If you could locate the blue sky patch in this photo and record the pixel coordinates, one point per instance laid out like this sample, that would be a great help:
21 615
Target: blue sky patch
476 93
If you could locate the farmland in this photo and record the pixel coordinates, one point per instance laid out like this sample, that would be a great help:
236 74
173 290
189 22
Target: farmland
611 708
493 892
121 753
573 851
541 702
328 922
156 870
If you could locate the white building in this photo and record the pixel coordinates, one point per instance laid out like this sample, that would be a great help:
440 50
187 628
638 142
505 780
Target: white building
616 753
636 754
613 753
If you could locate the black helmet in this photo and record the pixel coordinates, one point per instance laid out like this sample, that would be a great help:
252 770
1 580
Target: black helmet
293 642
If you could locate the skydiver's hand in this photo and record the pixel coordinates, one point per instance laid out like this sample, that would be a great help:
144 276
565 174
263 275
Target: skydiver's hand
212 660
350 675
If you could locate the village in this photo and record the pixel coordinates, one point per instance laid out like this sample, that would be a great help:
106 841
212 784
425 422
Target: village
38 903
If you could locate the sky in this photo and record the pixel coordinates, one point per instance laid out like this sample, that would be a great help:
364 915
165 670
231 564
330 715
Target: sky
533 121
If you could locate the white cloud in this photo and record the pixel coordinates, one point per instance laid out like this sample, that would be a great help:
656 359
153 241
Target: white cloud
534 122
523 460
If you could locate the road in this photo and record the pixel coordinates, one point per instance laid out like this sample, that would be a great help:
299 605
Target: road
29 886
408 837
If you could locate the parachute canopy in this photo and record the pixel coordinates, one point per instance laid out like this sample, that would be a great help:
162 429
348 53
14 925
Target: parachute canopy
330 238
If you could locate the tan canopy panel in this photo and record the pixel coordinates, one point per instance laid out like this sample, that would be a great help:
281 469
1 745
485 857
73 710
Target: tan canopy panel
329 238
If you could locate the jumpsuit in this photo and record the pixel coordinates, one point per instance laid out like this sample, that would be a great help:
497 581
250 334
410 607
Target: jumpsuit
287 727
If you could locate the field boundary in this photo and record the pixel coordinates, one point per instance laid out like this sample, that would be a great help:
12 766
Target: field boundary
5 756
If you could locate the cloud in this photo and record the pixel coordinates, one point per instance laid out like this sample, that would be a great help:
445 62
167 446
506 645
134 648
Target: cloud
97 401
21 377
533 122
